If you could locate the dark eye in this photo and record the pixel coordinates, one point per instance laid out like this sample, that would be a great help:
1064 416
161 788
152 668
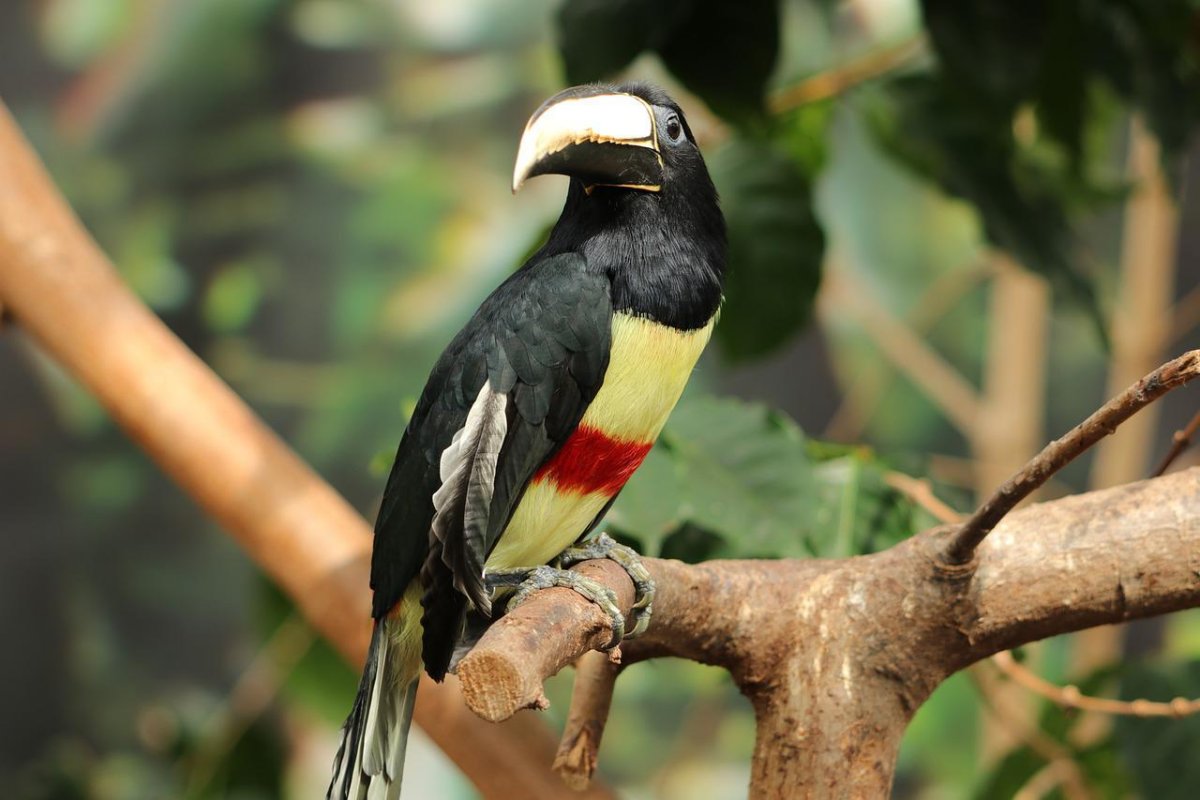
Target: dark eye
674 129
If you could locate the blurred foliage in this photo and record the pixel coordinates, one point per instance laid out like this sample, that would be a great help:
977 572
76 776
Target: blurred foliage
1161 751
775 244
724 52
313 194
748 477
1097 762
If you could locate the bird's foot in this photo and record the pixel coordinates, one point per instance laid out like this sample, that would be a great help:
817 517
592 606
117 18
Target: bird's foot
530 580
604 546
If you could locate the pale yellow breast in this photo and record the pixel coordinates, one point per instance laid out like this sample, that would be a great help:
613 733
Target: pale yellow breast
546 522
649 366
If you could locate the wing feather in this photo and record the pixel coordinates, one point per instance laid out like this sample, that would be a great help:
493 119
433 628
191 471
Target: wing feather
504 396
462 504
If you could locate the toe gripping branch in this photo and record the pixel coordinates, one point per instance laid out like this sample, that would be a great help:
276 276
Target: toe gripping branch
528 581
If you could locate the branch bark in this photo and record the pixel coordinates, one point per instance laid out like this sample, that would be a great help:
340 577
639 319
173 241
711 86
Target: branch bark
65 294
1060 452
836 656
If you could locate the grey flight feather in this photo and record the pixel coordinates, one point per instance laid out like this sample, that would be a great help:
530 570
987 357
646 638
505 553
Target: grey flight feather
463 502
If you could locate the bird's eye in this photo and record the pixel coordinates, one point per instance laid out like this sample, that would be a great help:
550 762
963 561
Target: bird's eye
674 129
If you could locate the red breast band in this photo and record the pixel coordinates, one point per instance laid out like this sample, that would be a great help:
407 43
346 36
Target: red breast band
591 461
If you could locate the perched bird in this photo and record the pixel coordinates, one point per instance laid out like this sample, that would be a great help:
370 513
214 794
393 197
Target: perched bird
542 407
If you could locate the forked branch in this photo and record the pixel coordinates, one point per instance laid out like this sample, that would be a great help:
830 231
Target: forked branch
1059 453
837 655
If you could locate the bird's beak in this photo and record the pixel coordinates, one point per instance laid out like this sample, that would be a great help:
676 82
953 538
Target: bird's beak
598 136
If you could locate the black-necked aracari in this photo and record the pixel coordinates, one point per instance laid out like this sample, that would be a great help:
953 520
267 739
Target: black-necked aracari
542 407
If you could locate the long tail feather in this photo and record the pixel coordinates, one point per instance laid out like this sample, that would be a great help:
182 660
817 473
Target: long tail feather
370 761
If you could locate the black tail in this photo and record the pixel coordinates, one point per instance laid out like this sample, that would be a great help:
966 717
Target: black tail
370 761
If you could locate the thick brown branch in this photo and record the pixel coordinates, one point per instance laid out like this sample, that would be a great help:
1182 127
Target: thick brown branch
57 283
506 669
1059 453
837 655
1092 559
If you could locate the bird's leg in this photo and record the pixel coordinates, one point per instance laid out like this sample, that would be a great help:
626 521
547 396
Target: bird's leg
528 580
604 546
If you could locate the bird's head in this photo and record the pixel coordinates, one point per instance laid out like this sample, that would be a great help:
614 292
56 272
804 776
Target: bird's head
632 137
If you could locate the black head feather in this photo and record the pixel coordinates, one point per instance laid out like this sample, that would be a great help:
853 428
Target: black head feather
665 250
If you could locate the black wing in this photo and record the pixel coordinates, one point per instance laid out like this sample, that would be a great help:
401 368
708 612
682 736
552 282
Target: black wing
541 342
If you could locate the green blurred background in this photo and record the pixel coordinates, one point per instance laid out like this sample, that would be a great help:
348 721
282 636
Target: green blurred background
931 206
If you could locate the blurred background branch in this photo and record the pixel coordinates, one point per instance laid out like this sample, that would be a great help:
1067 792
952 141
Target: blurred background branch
72 302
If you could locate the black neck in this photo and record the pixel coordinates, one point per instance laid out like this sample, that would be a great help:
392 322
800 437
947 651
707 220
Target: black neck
664 252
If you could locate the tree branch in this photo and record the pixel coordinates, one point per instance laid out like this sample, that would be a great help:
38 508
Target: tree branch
505 671
843 77
1071 697
591 697
837 655
67 296
1061 452
1179 442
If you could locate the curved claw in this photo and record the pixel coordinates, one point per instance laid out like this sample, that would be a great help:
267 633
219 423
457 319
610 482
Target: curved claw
550 577
604 546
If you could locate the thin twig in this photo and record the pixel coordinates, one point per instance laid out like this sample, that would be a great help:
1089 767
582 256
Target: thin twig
1059 453
1011 423
591 698
1049 778
1140 328
844 77
1180 442
920 491
1071 697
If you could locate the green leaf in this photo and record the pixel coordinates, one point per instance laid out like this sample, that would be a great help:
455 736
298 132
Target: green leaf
970 150
1004 55
321 680
652 502
1161 752
775 247
600 37
856 511
726 468
732 479
724 52
747 475
233 296
1149 54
